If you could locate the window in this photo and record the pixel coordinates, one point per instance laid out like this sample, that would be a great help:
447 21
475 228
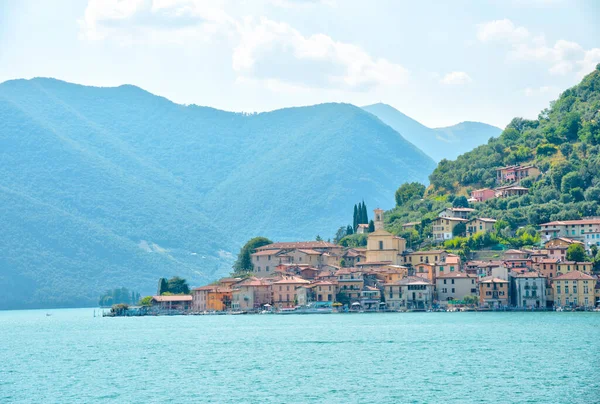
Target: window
381 245
453 281
269 258
444 281
558 289
453 291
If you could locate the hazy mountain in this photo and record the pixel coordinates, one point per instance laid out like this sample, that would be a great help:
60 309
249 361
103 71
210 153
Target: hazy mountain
107 187
439 143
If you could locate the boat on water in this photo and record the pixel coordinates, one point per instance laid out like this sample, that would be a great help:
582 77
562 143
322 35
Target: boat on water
311 308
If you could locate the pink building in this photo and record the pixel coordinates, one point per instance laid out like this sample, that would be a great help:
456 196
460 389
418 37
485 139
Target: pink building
483 194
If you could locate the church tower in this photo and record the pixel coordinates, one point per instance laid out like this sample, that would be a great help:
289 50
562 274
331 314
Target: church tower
378 219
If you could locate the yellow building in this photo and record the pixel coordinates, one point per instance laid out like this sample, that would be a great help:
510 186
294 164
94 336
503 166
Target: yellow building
424 257
426 271
574 289
480 225
211 298
443 228
383 246
564 267
493 292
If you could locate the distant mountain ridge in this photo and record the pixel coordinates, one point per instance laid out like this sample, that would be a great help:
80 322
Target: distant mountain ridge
110 187
439 143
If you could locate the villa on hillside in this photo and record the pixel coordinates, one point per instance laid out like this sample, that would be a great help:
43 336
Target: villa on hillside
443 227
482 224
573 229
482 195
511 190
516 173
460 213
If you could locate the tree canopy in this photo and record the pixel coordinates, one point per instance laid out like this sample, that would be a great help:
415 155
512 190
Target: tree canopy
243 262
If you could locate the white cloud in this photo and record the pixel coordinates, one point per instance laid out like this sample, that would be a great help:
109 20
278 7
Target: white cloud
262 49
562 58
501 30
456 78
540 91
275 50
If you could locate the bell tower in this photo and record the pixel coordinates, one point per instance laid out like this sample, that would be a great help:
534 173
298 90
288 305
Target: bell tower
378 219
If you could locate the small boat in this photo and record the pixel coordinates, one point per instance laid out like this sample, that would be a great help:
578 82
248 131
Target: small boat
48 314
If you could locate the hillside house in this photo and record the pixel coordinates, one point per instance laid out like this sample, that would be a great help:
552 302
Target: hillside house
443 227
516 173
480 225
572 229
460 213
482 195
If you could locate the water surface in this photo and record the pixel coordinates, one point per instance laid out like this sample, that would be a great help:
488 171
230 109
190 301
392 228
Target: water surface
384 358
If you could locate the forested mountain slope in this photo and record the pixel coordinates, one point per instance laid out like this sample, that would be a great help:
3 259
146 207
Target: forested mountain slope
110 187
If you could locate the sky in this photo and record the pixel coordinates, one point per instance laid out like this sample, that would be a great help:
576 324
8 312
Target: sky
439 62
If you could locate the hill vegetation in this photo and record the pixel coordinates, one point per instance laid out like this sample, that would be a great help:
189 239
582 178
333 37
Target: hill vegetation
564 143
116 187
439 143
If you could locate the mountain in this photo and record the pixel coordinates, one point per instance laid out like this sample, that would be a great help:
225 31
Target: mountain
563 143
439 143
110 187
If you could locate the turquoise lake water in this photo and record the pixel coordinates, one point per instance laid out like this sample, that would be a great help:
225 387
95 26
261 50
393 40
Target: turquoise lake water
382 358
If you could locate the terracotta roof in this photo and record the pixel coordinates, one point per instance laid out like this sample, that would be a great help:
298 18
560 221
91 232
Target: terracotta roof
549 261
366 226
571 222
413 280
427 252
174 298
266 252
229 280
575 275
514 252
309 252
298 244
292 280
574 263
360 264
565 239
460 209
254 282
410 224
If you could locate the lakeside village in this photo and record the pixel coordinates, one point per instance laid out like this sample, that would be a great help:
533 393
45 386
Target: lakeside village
322 277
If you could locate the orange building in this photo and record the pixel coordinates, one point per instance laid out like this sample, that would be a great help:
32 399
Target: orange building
211 298
493 292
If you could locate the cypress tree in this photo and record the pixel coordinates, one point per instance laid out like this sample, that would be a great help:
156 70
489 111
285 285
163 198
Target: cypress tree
162 286
355 223
371 226
349 230
364 215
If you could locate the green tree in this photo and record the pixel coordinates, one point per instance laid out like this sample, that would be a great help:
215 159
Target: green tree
244 258
145 301
409 191
460 202
318 238
570 181
162 286
576 252
355 222
371 226
459 230
470 300
349 230
364 217
178 286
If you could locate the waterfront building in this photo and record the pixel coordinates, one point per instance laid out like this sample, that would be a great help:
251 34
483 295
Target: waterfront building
443 227
175 302
252 294
455 286
548 267
370 298
313 253
211 298
350 283
411 292
480 225
574 289
285 291
528 290
493 292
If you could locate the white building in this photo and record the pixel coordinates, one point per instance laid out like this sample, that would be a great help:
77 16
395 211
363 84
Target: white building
529 290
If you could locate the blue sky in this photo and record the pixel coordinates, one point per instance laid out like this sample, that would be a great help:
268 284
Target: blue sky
440 62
